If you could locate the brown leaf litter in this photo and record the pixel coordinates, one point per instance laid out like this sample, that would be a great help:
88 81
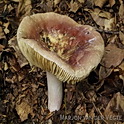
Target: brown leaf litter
23 91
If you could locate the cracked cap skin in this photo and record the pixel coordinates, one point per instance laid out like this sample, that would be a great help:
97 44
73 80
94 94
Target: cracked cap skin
59 45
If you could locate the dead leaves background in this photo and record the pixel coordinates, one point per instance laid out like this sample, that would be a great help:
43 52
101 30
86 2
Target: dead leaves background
23 93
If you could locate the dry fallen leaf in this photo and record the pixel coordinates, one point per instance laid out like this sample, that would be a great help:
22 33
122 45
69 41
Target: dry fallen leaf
6 25
102 18
5 66
92 113
112 39
80 110
95 15
10 7
11 78
74 6
121 66
121 36
50 4
56 2
121 10
113 56
1 47
81 1
109 24
105 14
24 109
21 59
24 8
2 36
104 72
112 2
99 3
89 3
115 108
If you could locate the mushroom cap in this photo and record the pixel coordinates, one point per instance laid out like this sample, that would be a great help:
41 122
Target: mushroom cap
59 45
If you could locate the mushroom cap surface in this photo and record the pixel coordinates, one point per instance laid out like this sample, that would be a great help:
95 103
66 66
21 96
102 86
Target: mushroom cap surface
57 44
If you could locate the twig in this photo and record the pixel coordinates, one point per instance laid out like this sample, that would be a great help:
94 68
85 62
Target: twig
107 32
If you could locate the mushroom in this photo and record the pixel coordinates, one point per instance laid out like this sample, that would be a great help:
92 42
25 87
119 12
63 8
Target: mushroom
66 50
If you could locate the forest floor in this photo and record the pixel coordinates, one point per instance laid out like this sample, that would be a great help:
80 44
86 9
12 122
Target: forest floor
99 99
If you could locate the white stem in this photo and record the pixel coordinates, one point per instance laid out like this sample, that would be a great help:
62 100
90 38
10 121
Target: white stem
55 93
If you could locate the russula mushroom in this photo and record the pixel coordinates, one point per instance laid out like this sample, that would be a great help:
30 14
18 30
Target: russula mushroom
66 50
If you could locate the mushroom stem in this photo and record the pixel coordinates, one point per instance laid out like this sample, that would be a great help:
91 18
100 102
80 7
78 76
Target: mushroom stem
54 92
